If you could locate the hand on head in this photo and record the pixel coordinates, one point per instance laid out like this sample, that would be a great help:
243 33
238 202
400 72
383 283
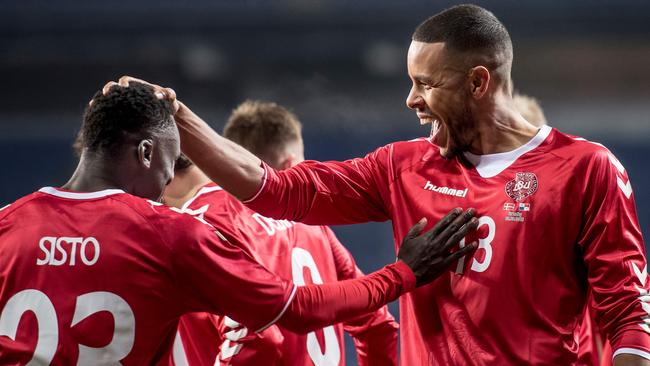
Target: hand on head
160 92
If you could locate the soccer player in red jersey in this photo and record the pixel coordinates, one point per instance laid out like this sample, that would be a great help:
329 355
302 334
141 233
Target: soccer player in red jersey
95 274
557 213
288 249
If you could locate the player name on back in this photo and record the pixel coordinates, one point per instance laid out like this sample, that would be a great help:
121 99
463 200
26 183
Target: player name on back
457 192
57 251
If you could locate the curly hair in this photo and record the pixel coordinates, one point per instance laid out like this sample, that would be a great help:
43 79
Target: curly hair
122 112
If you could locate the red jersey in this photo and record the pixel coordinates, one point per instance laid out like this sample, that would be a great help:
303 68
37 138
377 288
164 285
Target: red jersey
103 277
304 254
557 218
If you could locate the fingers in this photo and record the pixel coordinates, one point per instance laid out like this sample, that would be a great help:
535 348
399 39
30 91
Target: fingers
159 91
455 225
109 86
442 224
461 233
466 250
416 229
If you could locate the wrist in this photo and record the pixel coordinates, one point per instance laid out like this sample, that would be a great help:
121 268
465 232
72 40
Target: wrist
406 275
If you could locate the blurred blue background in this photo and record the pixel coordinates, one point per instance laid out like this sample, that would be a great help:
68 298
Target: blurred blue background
340 65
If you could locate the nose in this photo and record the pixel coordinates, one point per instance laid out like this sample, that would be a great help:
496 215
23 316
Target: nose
413 100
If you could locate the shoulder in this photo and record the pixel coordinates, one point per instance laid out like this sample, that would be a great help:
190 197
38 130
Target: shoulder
406 151
8 210
574 147
398 156
588 158
171 224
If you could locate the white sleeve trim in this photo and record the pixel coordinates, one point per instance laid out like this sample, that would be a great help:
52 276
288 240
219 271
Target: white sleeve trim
631 351
284 309
259 191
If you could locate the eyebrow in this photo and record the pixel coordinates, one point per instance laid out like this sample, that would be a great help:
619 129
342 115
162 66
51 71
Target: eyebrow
426 79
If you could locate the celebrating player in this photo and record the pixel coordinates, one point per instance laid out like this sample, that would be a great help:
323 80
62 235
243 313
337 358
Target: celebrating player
557 214
92 274
288 249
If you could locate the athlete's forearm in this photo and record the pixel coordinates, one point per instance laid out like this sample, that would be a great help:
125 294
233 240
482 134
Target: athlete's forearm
317 306
229 165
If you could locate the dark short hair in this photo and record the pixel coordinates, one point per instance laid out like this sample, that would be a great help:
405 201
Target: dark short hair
182 163
467 28
263 128
120 113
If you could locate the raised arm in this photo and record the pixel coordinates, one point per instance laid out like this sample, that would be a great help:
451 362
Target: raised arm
346 192
229 165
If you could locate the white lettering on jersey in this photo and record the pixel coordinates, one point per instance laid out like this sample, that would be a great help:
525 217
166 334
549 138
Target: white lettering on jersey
300 259
88 304
446 190
123 331
272 226
48 330
644 297
483 243
58 251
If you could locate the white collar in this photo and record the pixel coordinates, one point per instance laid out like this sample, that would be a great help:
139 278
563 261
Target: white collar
491 165
80 195
201 191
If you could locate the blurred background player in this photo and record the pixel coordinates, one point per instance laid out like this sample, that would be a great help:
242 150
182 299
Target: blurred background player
101 245
529 108
298 252
534 245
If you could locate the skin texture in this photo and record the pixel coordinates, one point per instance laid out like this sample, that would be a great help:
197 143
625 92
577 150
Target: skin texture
469 106
142 167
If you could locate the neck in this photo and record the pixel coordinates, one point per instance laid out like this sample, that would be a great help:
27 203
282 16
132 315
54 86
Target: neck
94 174
501 128
184 186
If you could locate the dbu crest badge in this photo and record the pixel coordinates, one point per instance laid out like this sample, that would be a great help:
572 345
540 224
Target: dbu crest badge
524 185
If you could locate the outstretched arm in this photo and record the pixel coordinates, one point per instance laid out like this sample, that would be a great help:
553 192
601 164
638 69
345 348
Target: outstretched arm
421 259
375 333
346 192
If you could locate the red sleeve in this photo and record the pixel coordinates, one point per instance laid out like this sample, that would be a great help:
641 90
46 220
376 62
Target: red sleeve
316 306
242 347
327 192
374 333
216 276
614 255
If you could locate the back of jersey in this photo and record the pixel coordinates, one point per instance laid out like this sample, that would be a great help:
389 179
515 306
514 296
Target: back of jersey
304 254
76 271
293 251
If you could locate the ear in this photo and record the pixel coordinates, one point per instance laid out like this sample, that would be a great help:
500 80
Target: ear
479 81
145 152
287 162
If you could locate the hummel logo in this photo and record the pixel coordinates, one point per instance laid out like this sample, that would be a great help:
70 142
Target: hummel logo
445 190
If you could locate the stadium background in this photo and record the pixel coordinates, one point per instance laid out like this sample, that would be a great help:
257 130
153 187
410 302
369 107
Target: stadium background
340 65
